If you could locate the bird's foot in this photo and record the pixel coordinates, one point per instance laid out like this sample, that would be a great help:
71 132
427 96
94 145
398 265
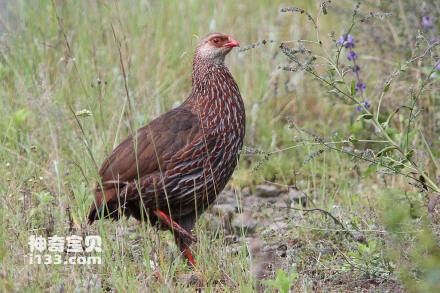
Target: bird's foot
156 269
189 256
179 233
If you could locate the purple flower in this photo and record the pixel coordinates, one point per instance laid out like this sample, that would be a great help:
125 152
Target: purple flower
352 56
360 86
350 42
433 41
428 22
341 40
67 172
347 40
437 67
366 105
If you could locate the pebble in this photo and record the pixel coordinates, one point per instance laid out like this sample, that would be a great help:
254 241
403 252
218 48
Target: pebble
267 191
297 196
222 209
244 221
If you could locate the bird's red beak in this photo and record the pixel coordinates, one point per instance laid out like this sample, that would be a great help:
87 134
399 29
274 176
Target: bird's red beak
231 43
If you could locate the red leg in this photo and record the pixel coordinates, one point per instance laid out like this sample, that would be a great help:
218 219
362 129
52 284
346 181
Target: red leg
156 269
174 226
179 233
189 256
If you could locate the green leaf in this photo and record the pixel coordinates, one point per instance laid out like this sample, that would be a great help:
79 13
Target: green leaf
371 168
409 154
386 124
283 281
44 197
387 87
353 88
385 150
399 167
20 116
356 126
352 139
391 131
365 116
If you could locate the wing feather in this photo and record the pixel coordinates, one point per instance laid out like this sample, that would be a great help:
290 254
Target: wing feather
153 144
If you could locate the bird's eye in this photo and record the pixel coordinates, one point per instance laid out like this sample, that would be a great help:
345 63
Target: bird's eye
216 40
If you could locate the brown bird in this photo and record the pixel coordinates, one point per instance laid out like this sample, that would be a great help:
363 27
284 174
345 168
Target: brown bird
172 169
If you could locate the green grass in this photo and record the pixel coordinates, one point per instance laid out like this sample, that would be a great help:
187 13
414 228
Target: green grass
59 58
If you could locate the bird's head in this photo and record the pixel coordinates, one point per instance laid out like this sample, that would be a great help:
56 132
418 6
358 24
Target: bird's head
214 47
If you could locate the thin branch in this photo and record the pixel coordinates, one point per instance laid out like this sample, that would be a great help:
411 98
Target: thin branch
89 151
328 214
127 92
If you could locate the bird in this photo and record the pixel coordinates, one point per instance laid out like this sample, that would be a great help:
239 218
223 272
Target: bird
172 169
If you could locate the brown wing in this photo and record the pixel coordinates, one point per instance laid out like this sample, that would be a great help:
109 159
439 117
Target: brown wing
153 144
142 155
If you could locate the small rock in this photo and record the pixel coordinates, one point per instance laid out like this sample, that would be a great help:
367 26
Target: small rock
223 209
251 201
359 237
282 203
226 223
237 248
226 197
267 191
196 281
254 244
277 226
295 195
191 280
230 239
246 191
244 221
263 265
213 223
282 250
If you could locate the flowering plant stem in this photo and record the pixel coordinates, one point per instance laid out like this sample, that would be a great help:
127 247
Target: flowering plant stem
414 171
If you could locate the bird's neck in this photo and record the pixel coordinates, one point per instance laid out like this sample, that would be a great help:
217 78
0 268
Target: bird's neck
215 94
203 68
